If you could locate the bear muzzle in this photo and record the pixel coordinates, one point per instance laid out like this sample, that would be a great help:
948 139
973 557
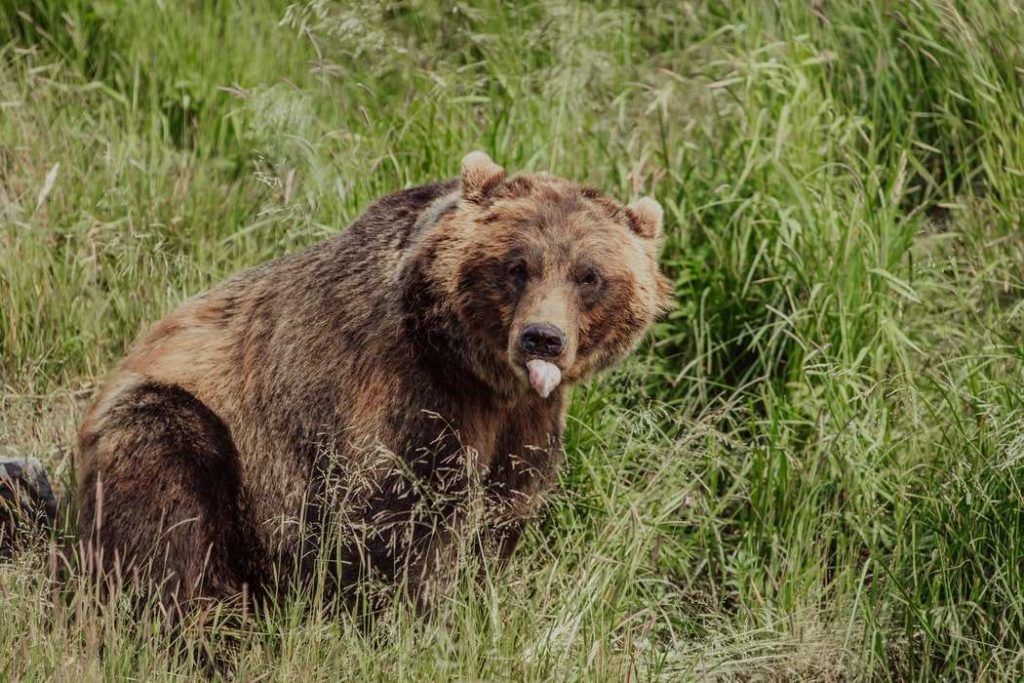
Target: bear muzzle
543 340
542 343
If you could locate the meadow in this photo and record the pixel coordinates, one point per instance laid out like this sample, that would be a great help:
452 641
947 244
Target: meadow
812 469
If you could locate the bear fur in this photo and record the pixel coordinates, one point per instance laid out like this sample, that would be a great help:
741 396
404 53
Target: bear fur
366 384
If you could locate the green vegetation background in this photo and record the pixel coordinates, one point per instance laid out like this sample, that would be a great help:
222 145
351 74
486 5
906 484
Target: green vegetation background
814 467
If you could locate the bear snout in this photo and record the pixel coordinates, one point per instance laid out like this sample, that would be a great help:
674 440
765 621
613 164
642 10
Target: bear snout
542 340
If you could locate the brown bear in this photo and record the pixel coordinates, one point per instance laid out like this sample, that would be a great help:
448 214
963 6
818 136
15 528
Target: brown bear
369 383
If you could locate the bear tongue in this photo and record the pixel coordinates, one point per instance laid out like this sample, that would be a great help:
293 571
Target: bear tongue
544 376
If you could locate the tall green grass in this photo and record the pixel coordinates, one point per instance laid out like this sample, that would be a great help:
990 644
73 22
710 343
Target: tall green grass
812 469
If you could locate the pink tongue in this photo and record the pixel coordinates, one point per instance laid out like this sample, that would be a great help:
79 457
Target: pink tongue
544 376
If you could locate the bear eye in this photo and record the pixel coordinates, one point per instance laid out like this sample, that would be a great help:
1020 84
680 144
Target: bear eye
589 277
518 272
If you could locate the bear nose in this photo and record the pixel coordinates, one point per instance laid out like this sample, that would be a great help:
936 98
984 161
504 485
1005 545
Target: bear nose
542 339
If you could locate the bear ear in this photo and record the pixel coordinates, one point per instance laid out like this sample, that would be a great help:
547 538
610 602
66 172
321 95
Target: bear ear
480 175
646 217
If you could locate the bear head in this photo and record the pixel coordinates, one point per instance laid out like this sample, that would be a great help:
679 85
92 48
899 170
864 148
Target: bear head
533 281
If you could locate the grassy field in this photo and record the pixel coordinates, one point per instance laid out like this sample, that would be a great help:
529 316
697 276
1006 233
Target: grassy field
813 469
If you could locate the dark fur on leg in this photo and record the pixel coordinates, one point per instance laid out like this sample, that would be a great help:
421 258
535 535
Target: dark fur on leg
165 504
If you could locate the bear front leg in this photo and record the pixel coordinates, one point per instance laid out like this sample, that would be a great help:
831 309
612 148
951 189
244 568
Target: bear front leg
515 490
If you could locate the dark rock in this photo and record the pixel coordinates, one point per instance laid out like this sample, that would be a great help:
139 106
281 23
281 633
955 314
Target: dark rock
27 503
